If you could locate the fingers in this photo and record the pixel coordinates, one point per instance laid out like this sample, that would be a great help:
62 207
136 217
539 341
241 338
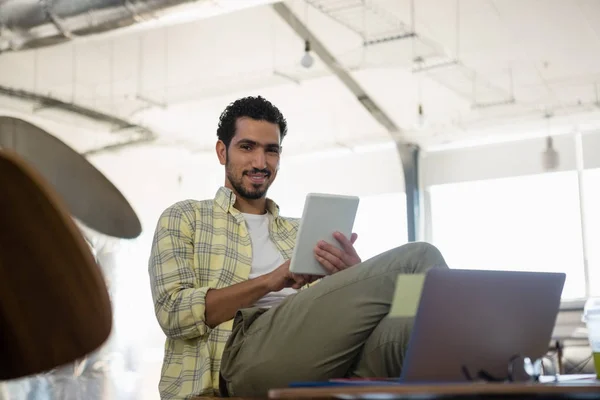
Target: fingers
330 257
351 257
328 265
299 280
297 285
296 282
347 245
309 278
324 248
345 256
334 259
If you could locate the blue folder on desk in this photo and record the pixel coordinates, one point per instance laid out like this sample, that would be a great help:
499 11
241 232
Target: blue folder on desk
346 382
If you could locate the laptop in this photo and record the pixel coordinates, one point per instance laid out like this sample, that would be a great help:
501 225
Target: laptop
474 322
471 324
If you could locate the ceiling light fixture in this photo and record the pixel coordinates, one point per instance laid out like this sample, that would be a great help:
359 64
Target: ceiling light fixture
421 120
307 60
550 157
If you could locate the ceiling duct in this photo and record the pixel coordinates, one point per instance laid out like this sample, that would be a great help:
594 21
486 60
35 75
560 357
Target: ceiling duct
26 24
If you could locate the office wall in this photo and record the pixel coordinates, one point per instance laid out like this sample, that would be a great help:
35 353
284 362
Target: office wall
505 159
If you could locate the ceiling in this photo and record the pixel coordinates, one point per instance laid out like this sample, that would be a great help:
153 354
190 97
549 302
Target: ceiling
490 70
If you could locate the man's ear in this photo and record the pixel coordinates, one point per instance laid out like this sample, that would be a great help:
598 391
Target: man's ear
221 152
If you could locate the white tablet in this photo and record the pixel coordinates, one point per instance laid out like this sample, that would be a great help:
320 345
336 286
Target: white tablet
323 215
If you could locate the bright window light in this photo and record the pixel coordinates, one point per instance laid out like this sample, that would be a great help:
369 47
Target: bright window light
529 223
380 224
591 198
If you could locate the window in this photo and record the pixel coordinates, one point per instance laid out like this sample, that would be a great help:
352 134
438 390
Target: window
380 224
591 202
529 223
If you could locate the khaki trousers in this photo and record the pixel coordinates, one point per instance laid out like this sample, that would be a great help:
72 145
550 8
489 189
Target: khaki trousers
337 328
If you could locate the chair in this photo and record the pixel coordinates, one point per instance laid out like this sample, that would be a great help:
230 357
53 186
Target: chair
54 303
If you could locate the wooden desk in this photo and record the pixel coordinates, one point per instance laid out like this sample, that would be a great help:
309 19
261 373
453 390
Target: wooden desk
588 386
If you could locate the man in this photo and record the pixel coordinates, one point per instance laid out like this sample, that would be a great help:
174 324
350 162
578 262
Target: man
235 318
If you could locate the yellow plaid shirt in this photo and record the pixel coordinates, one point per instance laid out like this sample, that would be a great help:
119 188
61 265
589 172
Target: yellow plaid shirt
199 245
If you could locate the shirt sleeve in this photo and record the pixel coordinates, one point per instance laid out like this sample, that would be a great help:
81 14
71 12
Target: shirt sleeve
178 304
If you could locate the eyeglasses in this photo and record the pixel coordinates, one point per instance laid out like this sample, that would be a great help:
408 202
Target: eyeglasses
533 368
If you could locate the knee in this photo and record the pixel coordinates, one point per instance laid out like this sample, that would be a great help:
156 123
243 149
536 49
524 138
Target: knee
423 255
419 249
426 248
421 246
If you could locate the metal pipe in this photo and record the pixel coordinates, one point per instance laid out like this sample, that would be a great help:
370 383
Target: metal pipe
26 24
408 152
409 156
579 159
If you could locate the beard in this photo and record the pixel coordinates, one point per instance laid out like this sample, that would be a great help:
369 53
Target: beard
255 192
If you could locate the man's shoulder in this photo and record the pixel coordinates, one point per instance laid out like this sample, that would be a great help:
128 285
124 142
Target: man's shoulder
188 208
291 221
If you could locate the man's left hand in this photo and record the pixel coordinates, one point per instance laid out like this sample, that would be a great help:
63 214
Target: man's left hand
334 259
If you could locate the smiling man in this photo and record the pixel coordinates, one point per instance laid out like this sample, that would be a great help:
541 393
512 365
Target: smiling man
237 321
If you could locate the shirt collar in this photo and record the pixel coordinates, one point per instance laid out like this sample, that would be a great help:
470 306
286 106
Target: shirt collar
225 198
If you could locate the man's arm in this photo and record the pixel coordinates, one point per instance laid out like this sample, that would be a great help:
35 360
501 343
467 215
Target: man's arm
222 304
178 304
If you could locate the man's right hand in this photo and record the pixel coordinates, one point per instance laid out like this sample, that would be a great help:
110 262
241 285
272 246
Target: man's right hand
282 278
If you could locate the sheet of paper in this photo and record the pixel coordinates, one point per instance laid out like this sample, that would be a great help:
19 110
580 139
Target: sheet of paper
407 295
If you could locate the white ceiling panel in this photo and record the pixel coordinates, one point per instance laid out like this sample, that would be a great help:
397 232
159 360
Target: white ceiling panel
176 76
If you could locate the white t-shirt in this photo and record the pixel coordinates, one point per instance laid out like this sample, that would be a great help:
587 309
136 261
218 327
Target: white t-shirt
265 256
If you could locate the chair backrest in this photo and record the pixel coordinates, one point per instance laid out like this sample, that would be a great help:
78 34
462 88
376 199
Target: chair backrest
54 303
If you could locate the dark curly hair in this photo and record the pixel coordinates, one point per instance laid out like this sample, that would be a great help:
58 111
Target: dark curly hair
257 108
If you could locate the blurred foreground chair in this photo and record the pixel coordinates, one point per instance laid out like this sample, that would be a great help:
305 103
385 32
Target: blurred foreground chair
54 303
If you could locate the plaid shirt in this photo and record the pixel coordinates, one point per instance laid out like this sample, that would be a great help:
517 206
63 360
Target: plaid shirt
199 245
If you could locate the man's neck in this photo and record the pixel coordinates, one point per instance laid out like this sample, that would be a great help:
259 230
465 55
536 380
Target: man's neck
248 206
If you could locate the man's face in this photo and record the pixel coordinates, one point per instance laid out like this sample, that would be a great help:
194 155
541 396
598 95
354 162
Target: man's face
252 159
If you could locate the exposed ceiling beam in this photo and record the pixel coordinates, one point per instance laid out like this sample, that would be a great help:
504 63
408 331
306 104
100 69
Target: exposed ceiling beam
117 146
142 134
51 102
328 58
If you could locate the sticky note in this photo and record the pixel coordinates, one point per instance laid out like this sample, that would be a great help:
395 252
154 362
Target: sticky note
407 295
